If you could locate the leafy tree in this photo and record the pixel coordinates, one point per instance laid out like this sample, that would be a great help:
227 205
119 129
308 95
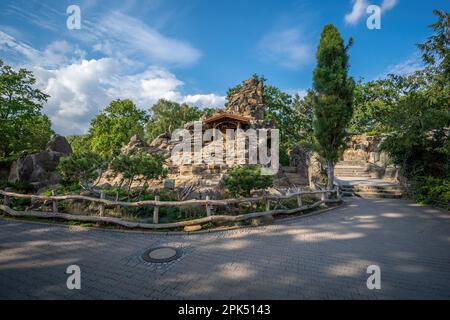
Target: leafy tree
373 103
166 116
418 130
436 50
242 180
418 138
80 168
303 107
138 164
278 108
333 97
80 143
23 128
114 127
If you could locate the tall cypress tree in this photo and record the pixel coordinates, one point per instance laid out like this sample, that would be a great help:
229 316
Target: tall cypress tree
333 96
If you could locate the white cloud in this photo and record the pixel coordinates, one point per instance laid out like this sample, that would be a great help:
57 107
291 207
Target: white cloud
79 88
54 55
360 6
157 83
205 100
77 92
10 44
358 10
388 4
409 65
287 48
301 92
116 32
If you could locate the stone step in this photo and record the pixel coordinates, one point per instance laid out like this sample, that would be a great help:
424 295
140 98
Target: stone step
352 175
361 163
378 188
350 169
295 178
287 169
374 195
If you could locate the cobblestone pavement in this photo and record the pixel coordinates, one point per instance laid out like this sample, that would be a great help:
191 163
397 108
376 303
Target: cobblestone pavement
322 256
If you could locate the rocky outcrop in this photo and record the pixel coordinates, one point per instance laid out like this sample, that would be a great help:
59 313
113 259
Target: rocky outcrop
315 171
248 101
39 169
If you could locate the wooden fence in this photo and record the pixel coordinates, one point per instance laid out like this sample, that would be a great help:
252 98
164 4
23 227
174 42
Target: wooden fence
102 203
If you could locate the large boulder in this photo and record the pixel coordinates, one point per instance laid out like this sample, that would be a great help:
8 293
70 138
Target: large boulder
59 144
39 169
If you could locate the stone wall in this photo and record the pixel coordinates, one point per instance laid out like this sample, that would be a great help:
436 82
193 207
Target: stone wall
248 101
366 149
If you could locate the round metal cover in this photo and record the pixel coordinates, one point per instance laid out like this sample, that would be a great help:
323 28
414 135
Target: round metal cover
161 254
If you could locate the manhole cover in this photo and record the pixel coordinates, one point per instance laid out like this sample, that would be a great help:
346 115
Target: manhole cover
161 254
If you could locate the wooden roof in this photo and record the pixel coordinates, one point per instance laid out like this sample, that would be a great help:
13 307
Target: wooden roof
226 115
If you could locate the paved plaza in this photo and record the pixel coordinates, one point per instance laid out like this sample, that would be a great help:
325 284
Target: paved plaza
323 256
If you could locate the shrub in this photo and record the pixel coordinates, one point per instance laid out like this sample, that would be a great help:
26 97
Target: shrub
431 190
138 165
80 168
241 181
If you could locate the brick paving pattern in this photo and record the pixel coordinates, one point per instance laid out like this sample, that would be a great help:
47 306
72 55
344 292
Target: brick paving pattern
321 256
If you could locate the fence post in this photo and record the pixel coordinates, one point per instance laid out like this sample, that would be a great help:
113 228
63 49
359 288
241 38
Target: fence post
54 203
102 206
156 210
7 201
208 207
299 200
267 204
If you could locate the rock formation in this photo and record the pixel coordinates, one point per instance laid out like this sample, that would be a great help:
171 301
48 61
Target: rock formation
248 101
39 169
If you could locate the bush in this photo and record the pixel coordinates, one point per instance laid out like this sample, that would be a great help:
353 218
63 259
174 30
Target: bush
431 190
138 164
80 168
241 181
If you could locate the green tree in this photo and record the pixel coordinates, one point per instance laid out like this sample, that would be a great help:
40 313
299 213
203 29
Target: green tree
242 180
303 107
138 164
166 116
279 109
80 168
418 130
114 126
436 50
80 143
23 128
333 97
373 102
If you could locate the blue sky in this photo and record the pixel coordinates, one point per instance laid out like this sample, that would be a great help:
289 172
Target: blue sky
192 51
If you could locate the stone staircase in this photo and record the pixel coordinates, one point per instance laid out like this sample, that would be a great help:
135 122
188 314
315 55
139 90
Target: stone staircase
293 176
351 168
372 191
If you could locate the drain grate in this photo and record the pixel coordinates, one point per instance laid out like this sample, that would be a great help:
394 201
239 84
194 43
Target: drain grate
162 254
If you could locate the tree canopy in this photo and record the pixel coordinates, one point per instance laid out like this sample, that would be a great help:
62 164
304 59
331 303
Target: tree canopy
166 116
23 128
333 97
114 127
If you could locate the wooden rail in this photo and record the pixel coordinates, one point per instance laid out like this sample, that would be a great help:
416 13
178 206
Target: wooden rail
208 203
